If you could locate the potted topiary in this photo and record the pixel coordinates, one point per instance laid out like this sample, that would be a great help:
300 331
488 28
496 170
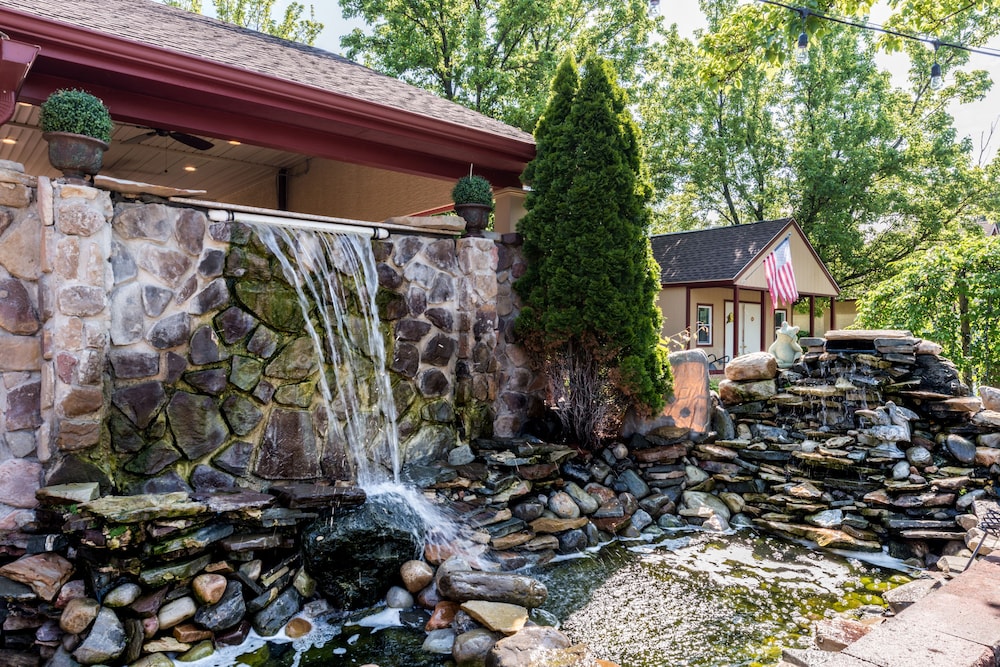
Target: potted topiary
77 126
473 197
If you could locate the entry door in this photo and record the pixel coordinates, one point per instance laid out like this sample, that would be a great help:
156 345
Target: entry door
750 314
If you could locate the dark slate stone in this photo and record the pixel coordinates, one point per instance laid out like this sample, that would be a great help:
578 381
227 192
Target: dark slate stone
439 350
295 361
962 449
288 449
123 266
170 332
406 359
141 221
416 301
24 407
413 330
124 435
272 302
140 402
212 263
167 483
72 469
242 415
185 291
176 365
263 343
388 278
233 324
196 423
190 230
246 372
134 365
573 541
272 618
205 346
440 411
155 299
235 458
212 381
382 250
442 318
528 511
207 478
17 314
406 249
264 391
486 321
443 289
105 641
442 254
226 613
574 472
505 257
214 296
391 306
433 382
296 395
153 459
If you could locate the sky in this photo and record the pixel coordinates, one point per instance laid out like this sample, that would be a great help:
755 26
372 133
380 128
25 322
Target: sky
972 120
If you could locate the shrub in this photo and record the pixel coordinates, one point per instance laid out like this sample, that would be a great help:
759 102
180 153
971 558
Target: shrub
76 111
473 190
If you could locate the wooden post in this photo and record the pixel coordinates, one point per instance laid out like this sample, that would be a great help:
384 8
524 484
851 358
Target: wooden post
687 317
736 321
812 315
833 313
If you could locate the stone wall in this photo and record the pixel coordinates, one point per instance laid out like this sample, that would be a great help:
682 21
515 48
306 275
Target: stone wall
148 349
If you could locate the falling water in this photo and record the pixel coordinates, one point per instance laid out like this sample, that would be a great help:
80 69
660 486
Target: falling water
333 271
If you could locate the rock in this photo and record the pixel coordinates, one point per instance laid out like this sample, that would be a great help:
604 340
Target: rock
497 616
753 366
225 613
734 393
696 500
636 486
442 616
694 475
470 648
398 598
563 506
838 633
461 586
990 397
529 648
105 642
827 519
461 455
416 574
586 502
439 641
176 611
547 525
901 470
272 618
189 633
209 588
987 456
44 573
919 456
298 627
963 450
78 614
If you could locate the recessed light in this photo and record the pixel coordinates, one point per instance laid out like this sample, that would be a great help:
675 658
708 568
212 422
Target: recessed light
8 140
190 168
233 142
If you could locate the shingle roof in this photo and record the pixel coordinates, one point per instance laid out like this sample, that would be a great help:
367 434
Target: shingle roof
152 23
714 254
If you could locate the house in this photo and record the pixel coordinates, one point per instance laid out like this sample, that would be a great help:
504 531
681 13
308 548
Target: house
714 293
290 127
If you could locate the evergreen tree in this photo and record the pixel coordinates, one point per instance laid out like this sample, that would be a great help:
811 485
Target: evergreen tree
589 313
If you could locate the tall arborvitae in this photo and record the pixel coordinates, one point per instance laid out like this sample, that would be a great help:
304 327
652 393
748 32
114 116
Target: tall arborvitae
589 310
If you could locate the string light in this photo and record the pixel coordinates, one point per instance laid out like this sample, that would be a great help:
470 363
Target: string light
937 79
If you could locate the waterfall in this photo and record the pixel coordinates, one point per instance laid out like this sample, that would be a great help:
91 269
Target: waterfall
331 272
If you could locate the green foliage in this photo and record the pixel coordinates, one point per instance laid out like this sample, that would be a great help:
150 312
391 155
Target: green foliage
589 292
472 190
495 56
258 15
76 111
949 295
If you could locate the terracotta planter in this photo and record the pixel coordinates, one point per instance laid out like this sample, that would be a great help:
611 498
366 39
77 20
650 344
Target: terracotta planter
75 155
477 216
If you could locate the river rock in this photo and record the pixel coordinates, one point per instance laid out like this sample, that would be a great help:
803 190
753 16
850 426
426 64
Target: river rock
962 449
439 641
753 366
461 586
226 613
78 614
827 518
176 611
272 618
733 393
497 616
398 597
298 627
209 588
901 470
693 475
563 506
695 500
105 642
532 647
470 648
416 574
987 456
442 616
990 397
122 596
586 502
919 456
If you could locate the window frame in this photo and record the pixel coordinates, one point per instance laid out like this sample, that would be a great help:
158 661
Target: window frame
703 329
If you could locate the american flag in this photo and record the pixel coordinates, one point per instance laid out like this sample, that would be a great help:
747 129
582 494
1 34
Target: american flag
780 276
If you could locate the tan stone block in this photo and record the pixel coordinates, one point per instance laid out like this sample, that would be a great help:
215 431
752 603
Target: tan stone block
75 435
69 336
14 195
67 261
48 344
20 252
20 353
43 201
14 175
80 401
71 190
81 300
48 387
43 448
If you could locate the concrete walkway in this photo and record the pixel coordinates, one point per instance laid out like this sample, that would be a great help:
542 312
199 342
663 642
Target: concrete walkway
956 625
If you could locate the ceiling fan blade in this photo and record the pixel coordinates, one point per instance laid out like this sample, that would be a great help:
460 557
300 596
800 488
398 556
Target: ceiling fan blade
139 138
190 140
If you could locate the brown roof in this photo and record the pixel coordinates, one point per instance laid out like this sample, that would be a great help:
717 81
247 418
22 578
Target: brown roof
148 22
716 254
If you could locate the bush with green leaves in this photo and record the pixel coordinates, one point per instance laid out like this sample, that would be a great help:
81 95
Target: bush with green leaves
472 190
78 112
589 313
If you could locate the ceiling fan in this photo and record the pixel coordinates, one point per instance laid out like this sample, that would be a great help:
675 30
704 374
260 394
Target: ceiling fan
187 139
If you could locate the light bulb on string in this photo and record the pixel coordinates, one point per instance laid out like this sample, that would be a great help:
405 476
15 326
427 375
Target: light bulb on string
802 48
937 79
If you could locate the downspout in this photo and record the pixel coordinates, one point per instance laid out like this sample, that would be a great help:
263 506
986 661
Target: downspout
282 186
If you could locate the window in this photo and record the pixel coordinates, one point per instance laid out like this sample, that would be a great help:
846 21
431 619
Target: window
779 318
704 325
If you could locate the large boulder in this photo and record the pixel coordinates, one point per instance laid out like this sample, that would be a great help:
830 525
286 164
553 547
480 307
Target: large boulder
355 556
753 366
